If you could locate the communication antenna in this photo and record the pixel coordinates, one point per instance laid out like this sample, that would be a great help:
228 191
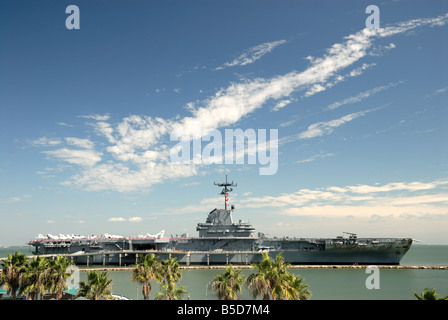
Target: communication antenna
226 190
351 234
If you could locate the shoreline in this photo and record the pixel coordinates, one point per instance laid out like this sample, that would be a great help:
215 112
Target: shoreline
101 268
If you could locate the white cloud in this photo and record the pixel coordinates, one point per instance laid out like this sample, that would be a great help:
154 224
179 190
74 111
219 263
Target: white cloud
121 219
79 157
423 215
212 202
412 186
137 150
46 142
380 218
119 177
65 124
373 203
337 79
439 91
391 46
354 194
117 219
315 89
315 157
252 54
231 104
436 92
97 117
363 95
282 104
381 50
106 130
327 127
376 202
82 143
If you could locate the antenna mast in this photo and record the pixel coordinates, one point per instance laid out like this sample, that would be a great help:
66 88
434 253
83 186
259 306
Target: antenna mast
226 190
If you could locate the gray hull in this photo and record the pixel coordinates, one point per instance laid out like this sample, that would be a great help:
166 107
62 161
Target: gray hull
221 251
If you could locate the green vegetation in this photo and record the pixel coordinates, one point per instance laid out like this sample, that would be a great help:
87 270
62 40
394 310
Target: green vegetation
35 277
170 274
58 275
146 270
167 273
429 294
97 287
38 276
170 271
271 280
13 269
227 285
170 291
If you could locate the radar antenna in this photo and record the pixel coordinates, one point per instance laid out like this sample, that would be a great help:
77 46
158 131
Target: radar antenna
226 190
351 234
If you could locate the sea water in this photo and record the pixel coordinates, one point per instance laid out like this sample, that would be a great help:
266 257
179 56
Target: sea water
324 283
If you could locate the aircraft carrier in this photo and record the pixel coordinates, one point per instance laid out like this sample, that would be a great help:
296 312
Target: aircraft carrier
221 240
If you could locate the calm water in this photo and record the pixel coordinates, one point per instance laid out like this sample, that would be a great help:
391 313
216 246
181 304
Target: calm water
325 284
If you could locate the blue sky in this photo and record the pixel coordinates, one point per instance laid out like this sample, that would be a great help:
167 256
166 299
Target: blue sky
86 116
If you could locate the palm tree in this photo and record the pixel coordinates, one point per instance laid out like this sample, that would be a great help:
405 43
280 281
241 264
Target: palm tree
11 276
296 288
259 283
145 271
169 275
266 282
169 291
58 275
35 277
272 280
227 285
85 289
278 277
98 286
429 294
170 270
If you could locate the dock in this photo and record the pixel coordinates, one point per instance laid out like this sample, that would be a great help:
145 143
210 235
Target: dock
296 266
126 259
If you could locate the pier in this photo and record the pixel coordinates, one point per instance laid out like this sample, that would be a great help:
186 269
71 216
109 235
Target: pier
131 257
294 266
196 260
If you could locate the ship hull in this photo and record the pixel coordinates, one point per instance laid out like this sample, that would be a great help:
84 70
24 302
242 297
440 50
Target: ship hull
237 251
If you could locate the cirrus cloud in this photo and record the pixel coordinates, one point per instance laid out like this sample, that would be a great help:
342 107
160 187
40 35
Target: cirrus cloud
135 153
252 54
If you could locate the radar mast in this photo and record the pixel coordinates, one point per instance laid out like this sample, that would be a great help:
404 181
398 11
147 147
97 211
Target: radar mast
226 190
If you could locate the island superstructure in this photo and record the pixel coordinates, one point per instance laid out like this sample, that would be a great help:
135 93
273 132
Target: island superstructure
221 240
